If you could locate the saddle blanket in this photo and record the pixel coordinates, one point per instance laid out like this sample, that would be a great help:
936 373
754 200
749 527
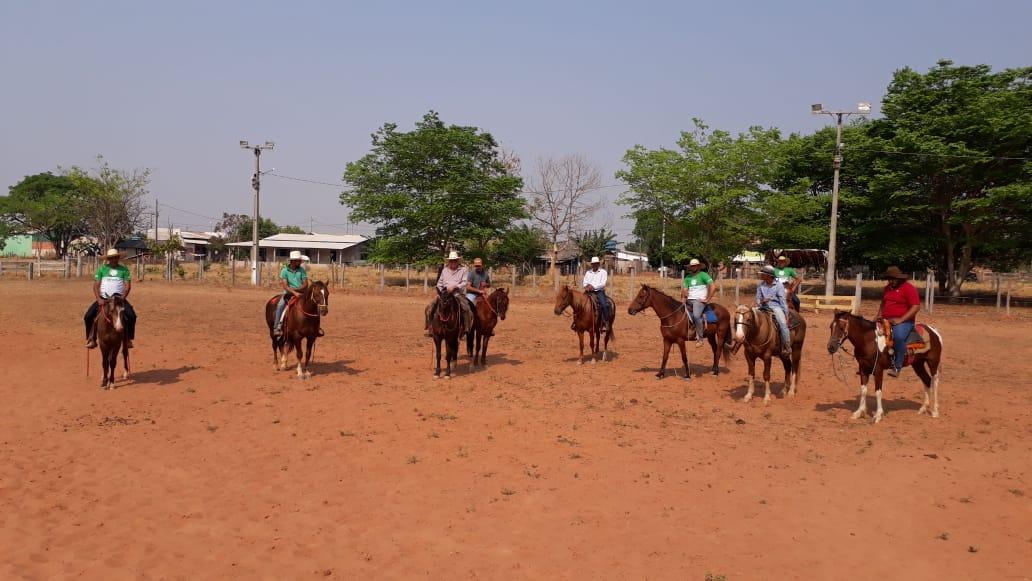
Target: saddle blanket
918 341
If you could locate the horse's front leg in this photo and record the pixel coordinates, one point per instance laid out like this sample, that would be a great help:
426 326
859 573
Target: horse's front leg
452 354
879 412
861 408
470 350
437 355
593 339
104 363
309 345
766 381
684 359
482 347
750 378
300 357
580 338
662 364
715 346
125 361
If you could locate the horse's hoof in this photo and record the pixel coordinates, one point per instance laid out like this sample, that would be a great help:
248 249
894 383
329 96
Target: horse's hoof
592 360
660 375
858 414
447 377
716 371
747 399
935 413
580 362
766 401
877 418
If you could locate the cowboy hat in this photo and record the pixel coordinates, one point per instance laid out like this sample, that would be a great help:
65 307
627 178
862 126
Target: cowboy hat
694 262
595 260
768 270
895 272
453 255
304 258
112 253
296 255
783 257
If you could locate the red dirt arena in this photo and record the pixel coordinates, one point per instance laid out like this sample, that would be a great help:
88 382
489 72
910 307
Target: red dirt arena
211 465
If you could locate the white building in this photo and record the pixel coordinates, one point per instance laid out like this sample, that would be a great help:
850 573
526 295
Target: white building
320 248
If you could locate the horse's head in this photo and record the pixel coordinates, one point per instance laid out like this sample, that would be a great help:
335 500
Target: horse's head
501 302
642 301
446 301
744 318
562 299
839 331
114 306
320 295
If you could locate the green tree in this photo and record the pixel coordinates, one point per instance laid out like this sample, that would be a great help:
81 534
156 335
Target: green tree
955 170
707 192
52 205
520 245
431 189
113 202
291 230
245 229
594 242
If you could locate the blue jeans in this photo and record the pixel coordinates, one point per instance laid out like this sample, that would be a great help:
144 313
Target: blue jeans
900 333
603 305
280 307
786 336
698 316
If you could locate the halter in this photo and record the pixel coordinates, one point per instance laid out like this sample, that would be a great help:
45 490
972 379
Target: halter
317 304
744 324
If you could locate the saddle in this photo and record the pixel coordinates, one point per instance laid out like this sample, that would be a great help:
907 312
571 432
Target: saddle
598 310
919 340
793 317
709 314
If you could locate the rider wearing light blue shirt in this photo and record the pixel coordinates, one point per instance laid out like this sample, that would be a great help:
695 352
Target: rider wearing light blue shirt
771 294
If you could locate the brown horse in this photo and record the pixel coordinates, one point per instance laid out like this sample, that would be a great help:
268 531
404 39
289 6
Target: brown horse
675 326
301 321
585 320
874 361
112 337
758 331
446 325
488 311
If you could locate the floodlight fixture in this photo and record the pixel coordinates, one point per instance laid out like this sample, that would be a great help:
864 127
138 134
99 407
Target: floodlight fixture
269 145
244 144
816 108
863 108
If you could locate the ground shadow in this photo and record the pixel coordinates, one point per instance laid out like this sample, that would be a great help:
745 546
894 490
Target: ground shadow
610 356
696 369
495 358
851 404
777 389
330 367
161 376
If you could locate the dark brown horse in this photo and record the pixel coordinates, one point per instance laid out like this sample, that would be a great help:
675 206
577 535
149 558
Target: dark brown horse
874 361
112 337
301 321
758 331
586 321
487 312
675 326
446 325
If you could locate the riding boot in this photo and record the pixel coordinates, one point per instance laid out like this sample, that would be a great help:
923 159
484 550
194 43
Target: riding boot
91 341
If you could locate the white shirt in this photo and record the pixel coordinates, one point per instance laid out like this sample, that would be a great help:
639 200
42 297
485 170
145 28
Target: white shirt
597 279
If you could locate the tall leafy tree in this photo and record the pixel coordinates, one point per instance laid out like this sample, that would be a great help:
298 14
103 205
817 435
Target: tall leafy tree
594 242
113 202
520 245
431 189
52 205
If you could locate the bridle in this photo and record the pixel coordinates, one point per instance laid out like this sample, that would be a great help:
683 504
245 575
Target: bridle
741 321
318 305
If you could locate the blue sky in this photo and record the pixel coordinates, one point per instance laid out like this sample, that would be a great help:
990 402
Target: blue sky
174 85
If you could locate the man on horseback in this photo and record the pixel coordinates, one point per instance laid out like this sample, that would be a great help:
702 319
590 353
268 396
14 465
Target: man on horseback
294 280
770 295
479 281
454 279
696 291
788 277
899 306
595 284
110 279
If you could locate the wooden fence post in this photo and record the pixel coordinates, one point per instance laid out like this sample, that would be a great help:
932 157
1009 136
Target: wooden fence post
513 290
407 273
931 291
738 284
858 293
381 277
67 272
999 290
1009 285
426 279
28 270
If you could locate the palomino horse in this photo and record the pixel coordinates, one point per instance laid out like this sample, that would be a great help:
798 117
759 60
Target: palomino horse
301 321
872 361
446 326
759 333
487 312
111 336
676 327
585 320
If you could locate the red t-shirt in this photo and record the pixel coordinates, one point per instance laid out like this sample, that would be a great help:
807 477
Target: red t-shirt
897 301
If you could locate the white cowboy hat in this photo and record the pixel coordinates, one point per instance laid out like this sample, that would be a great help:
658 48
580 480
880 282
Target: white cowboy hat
595 260
782 257
304 258
453 255
694 262
296 255
112 253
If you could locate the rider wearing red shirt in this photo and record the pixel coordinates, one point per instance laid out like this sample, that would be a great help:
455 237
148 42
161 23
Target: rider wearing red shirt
899 306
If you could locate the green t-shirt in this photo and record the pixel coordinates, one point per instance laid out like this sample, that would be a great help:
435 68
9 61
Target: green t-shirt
294 278
784 275
697 285
113 279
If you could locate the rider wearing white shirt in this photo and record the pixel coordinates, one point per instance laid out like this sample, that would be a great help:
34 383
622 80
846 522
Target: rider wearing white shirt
595 282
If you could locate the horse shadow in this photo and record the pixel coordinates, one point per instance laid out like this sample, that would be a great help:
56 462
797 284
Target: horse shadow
496 358
851 404
610 356
161 376
330 367
696 369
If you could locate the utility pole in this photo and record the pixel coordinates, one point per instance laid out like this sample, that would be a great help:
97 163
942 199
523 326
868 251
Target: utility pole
817 109
155 219
662 251
256 183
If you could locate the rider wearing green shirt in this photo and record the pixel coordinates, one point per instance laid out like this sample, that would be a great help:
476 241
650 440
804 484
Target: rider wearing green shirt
789 278
294 280
110 279
696 292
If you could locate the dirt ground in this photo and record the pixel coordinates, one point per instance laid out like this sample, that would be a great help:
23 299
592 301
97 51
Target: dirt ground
211 465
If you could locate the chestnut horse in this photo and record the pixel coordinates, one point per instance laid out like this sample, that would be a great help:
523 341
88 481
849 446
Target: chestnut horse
446 325
675 325
873 361
758 331
111 336
301 321
585 320
487 312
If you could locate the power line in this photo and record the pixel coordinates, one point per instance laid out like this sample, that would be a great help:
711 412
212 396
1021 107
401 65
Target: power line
188 212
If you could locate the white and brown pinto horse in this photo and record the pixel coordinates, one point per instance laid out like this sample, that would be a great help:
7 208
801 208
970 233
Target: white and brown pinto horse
873 361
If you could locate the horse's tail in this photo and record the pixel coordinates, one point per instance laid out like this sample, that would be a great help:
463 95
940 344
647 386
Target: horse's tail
725 352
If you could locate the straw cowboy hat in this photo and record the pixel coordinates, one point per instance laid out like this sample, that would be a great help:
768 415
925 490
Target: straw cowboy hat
453 255
784 259
296 255
112 253
694 262
595 260
895 272
768 270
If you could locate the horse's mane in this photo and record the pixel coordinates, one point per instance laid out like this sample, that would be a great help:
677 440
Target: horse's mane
864 323
671 301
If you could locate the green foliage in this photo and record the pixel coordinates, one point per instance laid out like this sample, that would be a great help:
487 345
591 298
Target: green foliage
594 242
431 189
291 230
245 229
520 245
164 247
52 205
231 225
113 203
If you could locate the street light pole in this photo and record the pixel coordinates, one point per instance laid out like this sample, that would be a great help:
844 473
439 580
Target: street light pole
256 183
862 109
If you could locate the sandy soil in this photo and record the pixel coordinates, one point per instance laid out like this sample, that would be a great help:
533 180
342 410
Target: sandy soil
211 465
